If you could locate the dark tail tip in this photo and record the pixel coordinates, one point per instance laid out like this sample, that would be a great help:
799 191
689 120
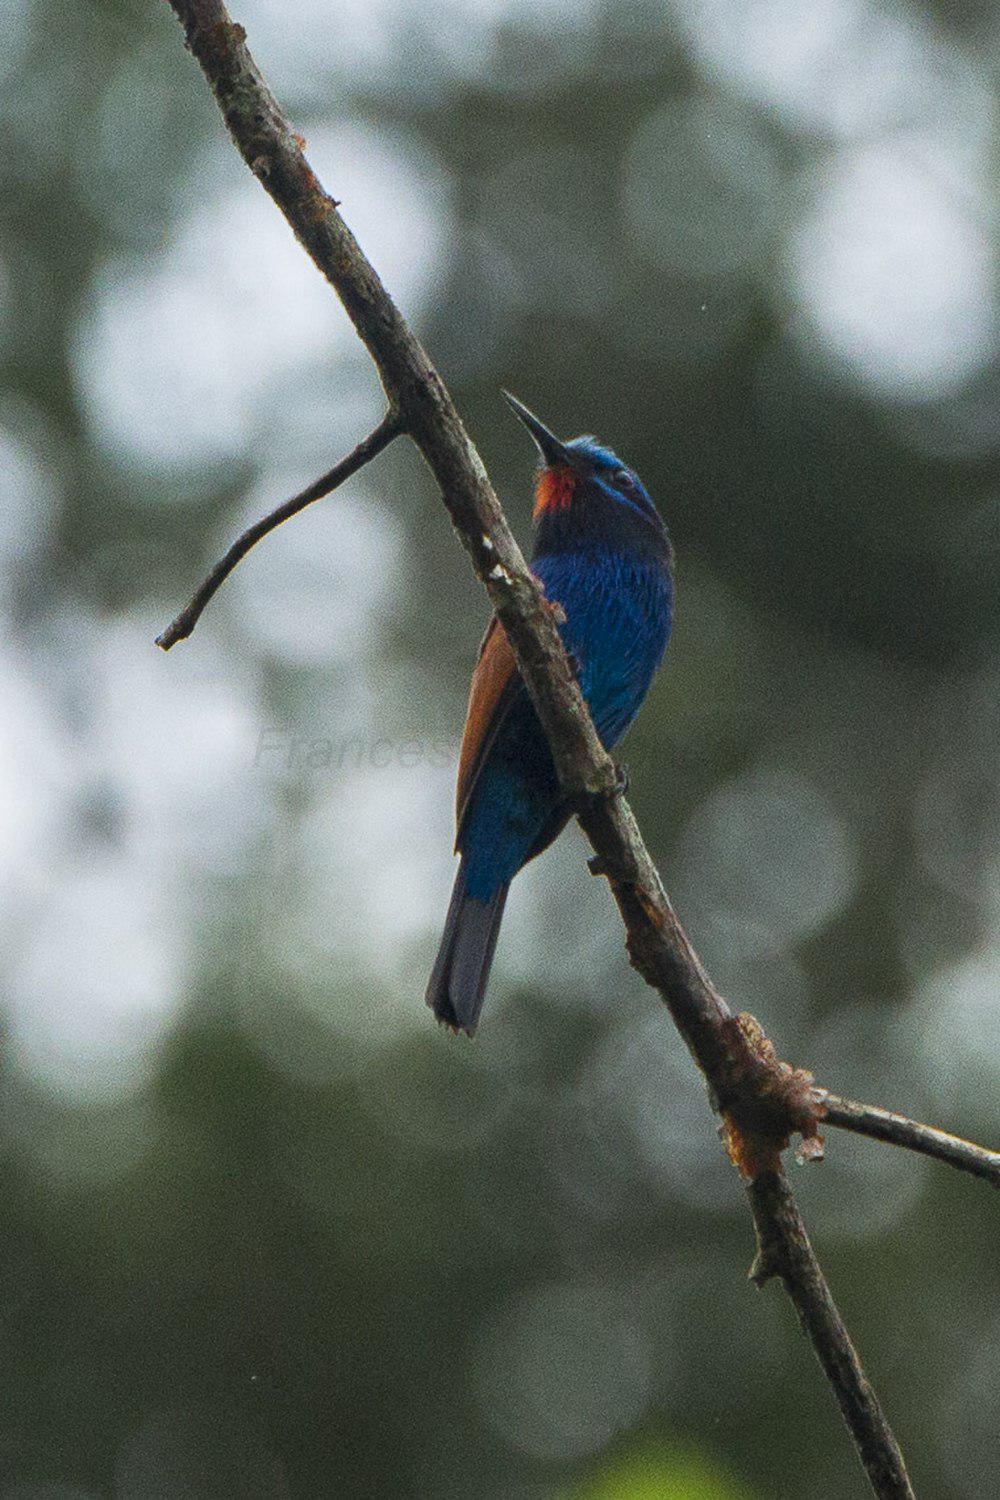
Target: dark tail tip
458 981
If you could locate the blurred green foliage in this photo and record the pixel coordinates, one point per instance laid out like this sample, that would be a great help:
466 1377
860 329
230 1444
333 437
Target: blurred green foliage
661 1476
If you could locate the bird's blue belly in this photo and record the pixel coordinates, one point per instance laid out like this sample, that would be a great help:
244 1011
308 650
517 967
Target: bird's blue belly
617 624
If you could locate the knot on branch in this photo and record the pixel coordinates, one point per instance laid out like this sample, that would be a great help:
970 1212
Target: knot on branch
764 1101
555 609
598 785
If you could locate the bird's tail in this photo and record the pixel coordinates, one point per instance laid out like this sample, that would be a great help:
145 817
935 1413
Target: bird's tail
458 981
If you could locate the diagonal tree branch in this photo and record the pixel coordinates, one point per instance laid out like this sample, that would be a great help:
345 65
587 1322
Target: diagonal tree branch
732 1054
899 1130
181 627
783 1250
761 1099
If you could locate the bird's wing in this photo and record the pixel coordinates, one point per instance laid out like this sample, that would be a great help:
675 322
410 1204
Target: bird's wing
495 682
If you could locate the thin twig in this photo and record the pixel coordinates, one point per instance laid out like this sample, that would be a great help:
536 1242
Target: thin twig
761 1099
899 1130
179 629
783 1250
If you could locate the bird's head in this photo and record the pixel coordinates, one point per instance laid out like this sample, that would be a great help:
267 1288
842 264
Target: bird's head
583 488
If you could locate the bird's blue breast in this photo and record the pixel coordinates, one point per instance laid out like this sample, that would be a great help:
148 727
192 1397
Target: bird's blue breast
618 614
618 610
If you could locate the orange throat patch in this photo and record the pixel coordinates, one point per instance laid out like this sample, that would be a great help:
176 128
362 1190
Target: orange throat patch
554 490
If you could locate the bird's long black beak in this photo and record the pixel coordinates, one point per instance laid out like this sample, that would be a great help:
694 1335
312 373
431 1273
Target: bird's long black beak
552 450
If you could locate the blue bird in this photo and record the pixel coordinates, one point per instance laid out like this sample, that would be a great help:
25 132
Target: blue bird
602 553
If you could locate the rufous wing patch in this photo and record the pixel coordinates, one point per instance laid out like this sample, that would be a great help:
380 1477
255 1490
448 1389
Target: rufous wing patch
495 671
